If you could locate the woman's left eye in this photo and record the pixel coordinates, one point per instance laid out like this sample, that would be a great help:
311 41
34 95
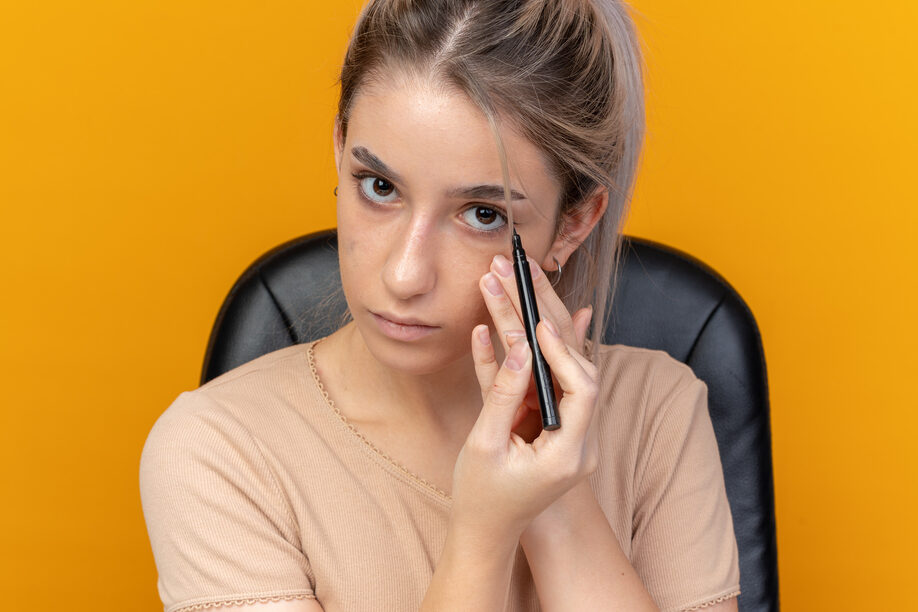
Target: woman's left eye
489 219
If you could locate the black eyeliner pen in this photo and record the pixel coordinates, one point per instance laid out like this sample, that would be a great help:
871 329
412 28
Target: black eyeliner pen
550 417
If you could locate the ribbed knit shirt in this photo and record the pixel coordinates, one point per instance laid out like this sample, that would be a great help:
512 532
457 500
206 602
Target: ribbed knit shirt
256 488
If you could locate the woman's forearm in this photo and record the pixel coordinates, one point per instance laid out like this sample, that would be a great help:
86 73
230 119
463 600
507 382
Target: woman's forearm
473 573
576 561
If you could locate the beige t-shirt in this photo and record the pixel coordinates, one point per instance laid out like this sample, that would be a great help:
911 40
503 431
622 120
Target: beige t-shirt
255 488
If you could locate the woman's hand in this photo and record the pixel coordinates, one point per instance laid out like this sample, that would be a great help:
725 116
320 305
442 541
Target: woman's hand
506 314
501 481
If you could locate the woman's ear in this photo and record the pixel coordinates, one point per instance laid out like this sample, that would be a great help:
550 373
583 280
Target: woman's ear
338 142
576 227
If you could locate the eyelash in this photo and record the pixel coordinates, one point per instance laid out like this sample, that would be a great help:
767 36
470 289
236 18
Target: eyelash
359 176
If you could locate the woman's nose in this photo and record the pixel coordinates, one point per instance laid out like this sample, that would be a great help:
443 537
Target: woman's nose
411 267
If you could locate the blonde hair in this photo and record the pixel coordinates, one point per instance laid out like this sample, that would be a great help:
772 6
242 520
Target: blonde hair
566 74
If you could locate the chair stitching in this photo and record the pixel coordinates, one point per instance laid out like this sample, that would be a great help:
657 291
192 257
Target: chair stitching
704 326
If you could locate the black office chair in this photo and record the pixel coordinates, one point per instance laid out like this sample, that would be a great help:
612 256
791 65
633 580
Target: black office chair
666 300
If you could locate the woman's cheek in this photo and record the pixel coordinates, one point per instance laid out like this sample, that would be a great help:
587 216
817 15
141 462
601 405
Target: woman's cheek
475 306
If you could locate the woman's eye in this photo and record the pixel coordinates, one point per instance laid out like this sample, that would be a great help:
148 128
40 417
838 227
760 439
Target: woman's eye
378 189
484 218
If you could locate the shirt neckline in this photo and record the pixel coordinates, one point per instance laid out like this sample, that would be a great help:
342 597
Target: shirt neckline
381 455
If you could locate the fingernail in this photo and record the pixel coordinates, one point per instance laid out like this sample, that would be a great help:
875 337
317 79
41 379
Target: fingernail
516 357
551 328
484 336
502 265
513 335
493 285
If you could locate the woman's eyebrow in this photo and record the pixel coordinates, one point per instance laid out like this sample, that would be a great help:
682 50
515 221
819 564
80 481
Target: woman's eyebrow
363 155
484 192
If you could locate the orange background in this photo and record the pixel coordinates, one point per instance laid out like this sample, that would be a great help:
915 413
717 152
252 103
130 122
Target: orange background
149 151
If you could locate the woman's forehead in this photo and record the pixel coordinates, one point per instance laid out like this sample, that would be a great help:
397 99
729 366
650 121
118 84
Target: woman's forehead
429 133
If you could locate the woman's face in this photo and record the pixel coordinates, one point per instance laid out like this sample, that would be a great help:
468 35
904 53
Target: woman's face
421 215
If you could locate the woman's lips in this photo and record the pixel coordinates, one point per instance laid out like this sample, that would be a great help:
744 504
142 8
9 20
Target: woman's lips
398 331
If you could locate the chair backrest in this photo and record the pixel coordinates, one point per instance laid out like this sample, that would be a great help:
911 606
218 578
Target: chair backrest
666 300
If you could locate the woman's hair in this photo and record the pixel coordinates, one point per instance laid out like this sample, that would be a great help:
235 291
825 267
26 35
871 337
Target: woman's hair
566 74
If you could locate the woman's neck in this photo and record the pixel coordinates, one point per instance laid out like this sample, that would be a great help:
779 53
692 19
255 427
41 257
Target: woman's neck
447 401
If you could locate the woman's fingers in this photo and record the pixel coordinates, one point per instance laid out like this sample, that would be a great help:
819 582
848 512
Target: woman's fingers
505 396
550 306
502 298
486 365
499 289
555 353
486 368
502 311
582 320
577 378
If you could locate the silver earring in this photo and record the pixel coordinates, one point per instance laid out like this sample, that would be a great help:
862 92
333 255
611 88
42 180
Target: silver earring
557 263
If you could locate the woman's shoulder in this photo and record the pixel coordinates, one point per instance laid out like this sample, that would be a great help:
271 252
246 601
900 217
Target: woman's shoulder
270 367
247 401
640 387
634 364
211 489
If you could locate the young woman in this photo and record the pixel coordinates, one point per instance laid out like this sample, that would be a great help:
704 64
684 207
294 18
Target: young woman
399 463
